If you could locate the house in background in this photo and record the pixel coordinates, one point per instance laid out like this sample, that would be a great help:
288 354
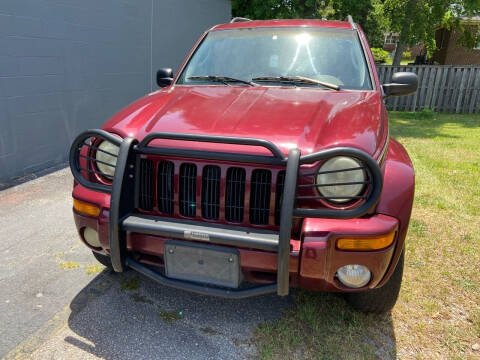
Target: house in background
390 44
449 52
390 41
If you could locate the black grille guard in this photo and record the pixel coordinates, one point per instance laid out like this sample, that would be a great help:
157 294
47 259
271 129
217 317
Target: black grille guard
124 194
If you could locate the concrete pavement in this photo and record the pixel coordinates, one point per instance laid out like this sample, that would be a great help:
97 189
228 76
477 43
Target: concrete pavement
55 302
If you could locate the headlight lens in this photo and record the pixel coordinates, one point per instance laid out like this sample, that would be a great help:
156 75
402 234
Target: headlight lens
340 193
105 155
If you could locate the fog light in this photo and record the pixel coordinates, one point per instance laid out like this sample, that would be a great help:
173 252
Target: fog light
91 237
354 276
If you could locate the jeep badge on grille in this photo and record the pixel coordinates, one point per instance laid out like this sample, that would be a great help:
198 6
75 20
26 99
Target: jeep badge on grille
196 235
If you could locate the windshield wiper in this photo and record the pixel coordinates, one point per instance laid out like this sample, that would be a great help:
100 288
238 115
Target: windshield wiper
295 80
224 79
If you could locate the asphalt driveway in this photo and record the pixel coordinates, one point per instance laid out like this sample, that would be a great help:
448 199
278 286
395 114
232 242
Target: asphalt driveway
57 303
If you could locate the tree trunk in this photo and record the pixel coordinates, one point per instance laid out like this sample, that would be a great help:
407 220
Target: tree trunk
401 46
405 32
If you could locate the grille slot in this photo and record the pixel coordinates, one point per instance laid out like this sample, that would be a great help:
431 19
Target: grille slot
165 187
211 192
188 189
235 194
260 196
279 196
146 193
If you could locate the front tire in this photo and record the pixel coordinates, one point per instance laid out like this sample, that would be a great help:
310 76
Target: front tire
103 259
382 299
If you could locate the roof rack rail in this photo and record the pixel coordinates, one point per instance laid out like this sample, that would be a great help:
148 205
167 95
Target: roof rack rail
350 20
239 19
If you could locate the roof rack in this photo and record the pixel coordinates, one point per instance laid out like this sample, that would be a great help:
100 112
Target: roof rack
350 20
239 19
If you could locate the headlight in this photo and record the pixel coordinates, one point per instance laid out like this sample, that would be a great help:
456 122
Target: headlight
330 173
106 157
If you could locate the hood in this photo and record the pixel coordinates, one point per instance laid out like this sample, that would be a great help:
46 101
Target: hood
310 119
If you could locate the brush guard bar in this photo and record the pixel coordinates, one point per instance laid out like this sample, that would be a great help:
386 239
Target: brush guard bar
124 191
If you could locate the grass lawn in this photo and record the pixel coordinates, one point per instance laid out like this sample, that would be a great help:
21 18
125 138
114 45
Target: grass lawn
438 313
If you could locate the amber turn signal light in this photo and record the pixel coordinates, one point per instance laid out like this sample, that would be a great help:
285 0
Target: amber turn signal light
365 243
86 208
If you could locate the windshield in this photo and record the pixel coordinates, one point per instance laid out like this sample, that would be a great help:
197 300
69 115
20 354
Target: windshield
332 56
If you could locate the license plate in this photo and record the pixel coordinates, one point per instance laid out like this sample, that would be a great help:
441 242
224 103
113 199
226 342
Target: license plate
202 263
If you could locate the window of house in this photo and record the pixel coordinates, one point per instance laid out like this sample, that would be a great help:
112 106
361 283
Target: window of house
391 38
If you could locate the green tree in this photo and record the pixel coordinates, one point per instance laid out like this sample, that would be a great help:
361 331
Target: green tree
367 13
279 9
416 21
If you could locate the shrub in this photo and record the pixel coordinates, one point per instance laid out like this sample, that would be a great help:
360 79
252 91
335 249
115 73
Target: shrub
407 55
379 55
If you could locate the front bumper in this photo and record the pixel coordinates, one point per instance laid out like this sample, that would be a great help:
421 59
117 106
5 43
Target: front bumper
127 229
313 261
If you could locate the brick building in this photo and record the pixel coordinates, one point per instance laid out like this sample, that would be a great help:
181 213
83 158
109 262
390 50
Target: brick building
450 52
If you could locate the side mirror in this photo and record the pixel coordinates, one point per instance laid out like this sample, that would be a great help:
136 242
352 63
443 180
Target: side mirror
164 77
403 83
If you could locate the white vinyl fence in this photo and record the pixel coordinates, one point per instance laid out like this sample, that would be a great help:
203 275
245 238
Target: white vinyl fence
443 88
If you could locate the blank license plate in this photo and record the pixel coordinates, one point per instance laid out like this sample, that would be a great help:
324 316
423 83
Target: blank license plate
202 263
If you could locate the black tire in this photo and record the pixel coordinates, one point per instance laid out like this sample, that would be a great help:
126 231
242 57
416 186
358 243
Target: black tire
382 299
103 259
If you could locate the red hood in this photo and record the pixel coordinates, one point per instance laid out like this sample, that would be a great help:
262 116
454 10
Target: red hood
309 119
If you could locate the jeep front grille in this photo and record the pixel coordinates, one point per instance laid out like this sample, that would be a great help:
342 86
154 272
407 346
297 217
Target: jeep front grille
245 196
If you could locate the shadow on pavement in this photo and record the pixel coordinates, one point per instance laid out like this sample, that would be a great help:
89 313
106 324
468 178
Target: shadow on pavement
128 316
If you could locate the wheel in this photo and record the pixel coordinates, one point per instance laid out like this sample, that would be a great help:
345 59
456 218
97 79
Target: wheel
382 299
103 259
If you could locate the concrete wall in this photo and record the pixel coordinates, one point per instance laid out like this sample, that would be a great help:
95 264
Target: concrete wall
68 65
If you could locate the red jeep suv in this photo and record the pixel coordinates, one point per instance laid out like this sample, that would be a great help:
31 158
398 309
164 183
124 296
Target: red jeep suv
264 163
